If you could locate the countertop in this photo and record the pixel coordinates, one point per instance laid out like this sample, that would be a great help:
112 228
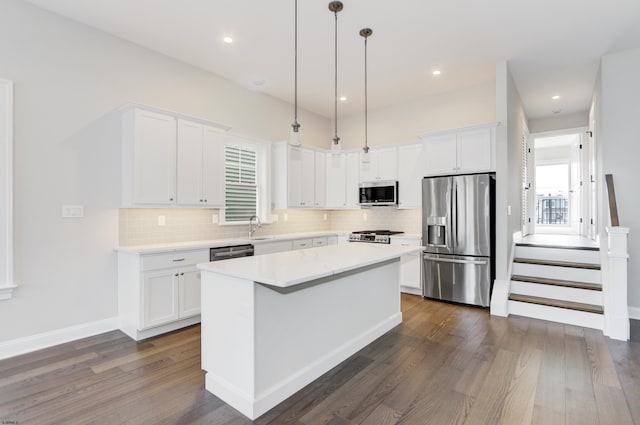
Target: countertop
285 269
214 243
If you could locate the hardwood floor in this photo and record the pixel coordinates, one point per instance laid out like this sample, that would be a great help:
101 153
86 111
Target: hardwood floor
446 364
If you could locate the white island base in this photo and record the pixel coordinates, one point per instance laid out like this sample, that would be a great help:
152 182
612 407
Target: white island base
261 343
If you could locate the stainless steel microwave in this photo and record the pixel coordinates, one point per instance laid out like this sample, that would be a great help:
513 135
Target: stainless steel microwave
378 193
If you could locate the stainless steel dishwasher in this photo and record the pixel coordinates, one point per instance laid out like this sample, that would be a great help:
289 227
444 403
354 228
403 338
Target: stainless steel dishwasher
227 252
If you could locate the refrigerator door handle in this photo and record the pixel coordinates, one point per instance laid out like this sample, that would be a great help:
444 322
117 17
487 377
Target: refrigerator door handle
448 260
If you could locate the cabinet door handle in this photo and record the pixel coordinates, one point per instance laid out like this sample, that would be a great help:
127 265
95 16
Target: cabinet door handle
206 200
176 275
171 199
178 259
182 274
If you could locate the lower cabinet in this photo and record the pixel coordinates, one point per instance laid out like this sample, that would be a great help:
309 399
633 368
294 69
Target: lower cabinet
410 267
158 293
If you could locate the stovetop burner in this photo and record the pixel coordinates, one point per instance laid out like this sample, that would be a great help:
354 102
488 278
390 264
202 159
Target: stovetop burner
372 236
376 232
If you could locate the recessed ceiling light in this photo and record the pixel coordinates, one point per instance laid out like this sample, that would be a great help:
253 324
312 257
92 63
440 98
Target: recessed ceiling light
228 40
437 72
343 98
556 97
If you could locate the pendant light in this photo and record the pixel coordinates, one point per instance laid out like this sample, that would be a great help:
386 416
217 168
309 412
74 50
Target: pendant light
295 137
365 32
335 7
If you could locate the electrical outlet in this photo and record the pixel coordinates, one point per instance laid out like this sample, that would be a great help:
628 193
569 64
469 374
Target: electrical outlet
215 218
365 217
324 217
162 220
72 211
286 217
508 209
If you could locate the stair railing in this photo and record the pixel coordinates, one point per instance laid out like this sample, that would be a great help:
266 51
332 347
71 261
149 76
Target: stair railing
616 309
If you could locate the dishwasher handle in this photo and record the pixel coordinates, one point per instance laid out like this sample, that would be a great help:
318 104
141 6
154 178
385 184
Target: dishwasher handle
455 261
232 253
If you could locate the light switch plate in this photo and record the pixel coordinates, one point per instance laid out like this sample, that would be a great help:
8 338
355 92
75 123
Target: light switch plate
72 211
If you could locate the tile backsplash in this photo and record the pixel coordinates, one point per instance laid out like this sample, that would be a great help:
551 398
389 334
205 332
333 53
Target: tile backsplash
140 226
408 221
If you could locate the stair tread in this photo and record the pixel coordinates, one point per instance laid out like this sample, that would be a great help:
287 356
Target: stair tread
558 282
579 248
588 308
589 266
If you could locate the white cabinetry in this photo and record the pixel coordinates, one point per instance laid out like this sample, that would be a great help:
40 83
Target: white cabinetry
321 179
352 180
303 243
271 247
158 293
294 176
410 267
469 150
382 165
336 181
200 171
148 158
410 174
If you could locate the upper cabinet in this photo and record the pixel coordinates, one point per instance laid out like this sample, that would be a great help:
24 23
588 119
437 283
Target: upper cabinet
468 150
294 176
383 165
170 161
336 193
200 170
148 158
410 174
321 179
352 180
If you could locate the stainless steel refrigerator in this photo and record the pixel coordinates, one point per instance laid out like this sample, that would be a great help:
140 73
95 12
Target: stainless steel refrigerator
458 221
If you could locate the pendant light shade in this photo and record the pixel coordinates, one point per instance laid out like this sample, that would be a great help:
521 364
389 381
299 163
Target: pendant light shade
335 7
295 138
366 33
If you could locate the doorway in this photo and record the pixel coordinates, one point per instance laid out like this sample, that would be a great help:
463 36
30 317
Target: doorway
558 202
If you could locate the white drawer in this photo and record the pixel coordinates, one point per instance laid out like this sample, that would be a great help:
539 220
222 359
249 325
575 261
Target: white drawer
174 259
302 243
322 241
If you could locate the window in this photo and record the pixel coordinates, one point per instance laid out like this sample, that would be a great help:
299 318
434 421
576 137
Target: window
241 183
6 189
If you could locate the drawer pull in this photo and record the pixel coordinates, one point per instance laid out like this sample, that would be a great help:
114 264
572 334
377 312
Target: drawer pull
178 259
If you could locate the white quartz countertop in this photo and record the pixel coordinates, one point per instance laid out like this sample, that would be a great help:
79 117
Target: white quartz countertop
285 269
214 243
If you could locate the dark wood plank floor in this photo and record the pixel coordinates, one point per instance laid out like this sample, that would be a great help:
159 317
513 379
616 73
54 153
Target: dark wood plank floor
445 364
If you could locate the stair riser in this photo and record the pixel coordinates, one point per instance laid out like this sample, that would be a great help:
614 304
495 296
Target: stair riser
555 314
584 296
558 254
555 272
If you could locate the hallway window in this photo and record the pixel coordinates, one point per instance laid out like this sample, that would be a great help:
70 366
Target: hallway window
552 194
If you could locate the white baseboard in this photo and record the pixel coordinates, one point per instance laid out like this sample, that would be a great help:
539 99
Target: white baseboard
31 343
410 290
634 313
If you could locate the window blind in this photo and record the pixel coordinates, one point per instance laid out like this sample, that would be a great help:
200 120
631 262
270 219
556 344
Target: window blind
241 191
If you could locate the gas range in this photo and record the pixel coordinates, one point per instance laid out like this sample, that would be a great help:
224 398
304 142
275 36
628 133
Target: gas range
372 236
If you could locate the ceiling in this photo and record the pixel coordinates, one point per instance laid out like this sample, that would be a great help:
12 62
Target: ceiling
553 46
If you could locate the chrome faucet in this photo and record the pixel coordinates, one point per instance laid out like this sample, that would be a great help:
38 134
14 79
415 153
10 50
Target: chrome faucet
254 226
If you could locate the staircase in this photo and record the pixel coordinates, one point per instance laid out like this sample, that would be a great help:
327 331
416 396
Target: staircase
561 284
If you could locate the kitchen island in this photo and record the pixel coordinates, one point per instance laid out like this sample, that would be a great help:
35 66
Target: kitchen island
271 324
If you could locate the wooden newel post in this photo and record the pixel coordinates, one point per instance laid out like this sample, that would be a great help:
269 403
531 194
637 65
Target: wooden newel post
616 309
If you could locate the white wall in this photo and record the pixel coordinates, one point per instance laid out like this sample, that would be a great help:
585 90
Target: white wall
620 141
559 122
69 79
402 123
511 114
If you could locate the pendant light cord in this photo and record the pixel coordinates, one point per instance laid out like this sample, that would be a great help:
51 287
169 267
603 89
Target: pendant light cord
295 124
366 145
336 139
